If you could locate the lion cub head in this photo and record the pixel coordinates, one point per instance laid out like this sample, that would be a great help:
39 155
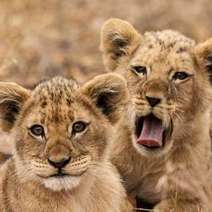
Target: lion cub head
62 132
167 80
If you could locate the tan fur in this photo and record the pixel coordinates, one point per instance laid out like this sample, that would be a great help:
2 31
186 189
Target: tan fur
172 177
204 52
91 183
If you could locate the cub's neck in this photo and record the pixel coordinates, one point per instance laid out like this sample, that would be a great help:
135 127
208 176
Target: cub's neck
102 191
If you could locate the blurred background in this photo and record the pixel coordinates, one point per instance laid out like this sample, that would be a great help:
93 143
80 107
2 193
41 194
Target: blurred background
43 38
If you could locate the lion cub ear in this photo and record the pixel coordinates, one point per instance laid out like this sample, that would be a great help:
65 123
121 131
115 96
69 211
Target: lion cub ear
119 40
12 97
109 94
203 53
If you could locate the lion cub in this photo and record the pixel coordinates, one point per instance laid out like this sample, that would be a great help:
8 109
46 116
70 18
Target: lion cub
162 146
62 135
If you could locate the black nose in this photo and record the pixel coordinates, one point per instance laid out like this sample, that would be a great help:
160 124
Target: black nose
153 101
59 164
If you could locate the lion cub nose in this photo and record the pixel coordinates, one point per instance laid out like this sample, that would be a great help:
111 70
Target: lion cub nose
59 164
59 156
153 101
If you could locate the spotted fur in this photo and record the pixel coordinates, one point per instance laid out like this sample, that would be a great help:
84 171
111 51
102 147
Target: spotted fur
34 179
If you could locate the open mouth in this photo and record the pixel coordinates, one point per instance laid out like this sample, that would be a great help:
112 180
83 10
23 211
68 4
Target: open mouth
150 132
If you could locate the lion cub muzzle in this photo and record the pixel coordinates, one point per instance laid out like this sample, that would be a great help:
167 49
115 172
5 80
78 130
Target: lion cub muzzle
152 124
62 160
59 156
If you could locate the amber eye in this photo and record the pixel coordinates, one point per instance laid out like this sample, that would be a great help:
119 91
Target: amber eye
180 76
79 126
37 130
140 69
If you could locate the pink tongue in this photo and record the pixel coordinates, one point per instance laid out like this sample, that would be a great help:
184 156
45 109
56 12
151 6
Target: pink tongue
152 132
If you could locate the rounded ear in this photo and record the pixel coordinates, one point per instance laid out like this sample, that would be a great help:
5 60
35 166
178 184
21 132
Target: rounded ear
203 53
109 93
12 98
119 40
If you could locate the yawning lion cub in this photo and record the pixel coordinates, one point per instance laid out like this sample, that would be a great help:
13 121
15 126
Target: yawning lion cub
62 136
162 146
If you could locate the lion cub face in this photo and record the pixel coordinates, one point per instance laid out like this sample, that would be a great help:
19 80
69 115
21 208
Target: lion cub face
165 78
62 132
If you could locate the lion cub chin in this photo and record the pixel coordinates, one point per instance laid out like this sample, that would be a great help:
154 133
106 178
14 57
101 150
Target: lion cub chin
162 146
62 138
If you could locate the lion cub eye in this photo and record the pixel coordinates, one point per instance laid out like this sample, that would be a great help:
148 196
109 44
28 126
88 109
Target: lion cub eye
37 130
139 70
79 126
180 76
